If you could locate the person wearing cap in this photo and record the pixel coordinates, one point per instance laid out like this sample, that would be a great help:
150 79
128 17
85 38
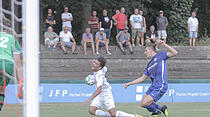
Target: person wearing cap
162 23
123 39
101 40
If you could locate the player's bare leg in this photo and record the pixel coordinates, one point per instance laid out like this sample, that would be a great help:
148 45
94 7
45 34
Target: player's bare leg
94 111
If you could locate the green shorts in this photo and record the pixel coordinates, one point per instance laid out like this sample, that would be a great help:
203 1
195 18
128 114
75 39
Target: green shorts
8 69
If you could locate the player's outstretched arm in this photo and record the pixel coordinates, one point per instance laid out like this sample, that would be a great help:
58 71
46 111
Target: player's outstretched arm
138 80
172 52
96 93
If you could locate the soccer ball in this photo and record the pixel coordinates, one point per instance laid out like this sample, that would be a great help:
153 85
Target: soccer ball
90 80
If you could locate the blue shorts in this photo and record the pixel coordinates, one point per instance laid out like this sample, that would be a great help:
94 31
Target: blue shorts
156 92
107 31
193 34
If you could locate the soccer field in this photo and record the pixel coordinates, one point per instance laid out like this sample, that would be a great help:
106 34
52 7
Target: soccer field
78 110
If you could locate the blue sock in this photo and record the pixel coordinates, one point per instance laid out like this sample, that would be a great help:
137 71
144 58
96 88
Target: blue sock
157 106
151 108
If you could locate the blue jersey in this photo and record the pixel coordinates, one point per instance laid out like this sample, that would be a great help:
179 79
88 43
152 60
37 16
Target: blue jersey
156 70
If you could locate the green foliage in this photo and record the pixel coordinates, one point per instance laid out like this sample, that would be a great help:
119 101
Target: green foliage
177 12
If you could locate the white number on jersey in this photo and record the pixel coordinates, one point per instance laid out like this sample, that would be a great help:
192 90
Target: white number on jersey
3 41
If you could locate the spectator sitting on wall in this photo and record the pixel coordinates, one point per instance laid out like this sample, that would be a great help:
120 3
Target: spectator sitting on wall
101 41
151 35
67 40
87 40
51 38
123 39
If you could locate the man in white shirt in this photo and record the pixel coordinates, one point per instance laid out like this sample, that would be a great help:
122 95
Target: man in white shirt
193 28
67 40
67 18
103 94
136 26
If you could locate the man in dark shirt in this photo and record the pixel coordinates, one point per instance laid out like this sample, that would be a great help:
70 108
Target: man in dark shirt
50 20
106 23
151 35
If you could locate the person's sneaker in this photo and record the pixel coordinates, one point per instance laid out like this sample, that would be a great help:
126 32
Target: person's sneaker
97 53
108 53
165 110
139 44
49 48
124 52
54 48
132 52
133 45
65 52
156 114
74 53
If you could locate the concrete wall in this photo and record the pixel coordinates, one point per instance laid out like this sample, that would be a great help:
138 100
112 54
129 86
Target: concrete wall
191 62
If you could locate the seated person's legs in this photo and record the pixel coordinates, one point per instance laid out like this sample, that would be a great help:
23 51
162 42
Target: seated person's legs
130 47
47 42
55 42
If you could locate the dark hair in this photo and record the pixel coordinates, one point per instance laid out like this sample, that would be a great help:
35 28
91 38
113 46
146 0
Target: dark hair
102 61
152 46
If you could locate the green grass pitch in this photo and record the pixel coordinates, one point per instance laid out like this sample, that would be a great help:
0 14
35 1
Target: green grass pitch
78 110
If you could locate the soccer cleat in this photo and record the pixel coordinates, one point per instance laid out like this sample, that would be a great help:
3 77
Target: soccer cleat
136 115
156 114
54 48
49 48
165 110
97 53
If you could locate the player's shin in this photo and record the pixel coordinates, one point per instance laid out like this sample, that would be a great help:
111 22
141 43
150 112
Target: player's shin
156 106
151 108
123 114
102 113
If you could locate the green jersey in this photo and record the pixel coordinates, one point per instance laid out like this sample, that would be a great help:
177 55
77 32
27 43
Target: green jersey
8 46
